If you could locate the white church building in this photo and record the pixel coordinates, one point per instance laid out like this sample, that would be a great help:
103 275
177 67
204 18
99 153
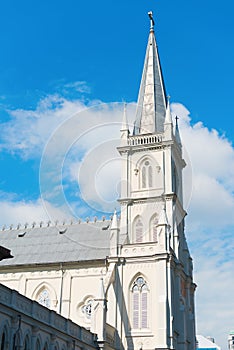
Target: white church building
128 280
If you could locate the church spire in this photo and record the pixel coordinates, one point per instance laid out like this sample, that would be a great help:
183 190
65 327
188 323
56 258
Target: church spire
177 132
151 105
124 129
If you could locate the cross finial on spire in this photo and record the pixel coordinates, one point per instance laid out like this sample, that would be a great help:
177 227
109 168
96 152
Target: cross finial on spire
150 14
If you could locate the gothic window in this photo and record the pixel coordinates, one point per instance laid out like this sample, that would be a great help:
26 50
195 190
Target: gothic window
140 300
150 176
146 175
143 177
153 228
44 298
87 308
138 230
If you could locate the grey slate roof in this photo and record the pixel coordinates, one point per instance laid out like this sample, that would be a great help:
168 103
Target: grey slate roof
66 243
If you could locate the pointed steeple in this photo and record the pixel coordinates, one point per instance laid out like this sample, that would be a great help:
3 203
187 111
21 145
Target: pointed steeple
102 290
151 105
163 217
114 235
177 132
124 128
168 118
114 223
124 121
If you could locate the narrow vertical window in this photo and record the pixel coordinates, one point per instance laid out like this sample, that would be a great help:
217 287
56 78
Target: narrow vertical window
139 231
150 176
146 175
144 301
140 304
143 177
154 229
135 307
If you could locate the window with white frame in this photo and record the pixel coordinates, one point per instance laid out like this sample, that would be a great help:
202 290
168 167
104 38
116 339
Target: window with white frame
140 300
87 308
153 228
138 230
146 174
43 298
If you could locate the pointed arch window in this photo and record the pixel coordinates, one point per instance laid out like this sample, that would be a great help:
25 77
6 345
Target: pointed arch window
140 299
146 175
138 231
44 298
154 229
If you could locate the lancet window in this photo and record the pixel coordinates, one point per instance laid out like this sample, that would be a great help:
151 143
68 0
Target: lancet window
138 230
140 299
146 175
44 298
153 228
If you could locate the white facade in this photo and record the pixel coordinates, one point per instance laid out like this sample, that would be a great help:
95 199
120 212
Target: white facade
138 292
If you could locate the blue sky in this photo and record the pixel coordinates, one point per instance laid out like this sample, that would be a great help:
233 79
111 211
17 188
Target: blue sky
58 58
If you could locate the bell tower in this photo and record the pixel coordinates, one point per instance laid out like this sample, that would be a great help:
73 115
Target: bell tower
158 286
152 159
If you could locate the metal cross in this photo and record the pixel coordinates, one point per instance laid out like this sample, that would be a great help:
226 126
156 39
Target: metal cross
151 19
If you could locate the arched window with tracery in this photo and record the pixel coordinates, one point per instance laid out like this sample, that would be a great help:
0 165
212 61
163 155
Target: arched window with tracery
138 230
154 229
43 297
140 300
146 174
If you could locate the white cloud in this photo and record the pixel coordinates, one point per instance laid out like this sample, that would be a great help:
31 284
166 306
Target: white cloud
212 160
82 144
210 224
79 86
22 212
28 130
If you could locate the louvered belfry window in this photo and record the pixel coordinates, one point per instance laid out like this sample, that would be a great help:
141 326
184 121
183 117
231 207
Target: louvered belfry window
154 229
146 175
139 231
140 293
